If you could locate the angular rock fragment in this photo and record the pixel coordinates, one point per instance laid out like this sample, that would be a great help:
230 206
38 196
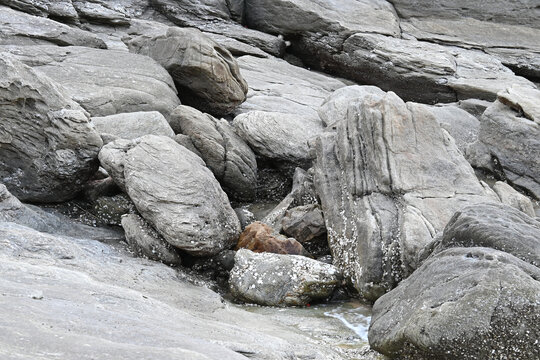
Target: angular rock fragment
281 280
304 223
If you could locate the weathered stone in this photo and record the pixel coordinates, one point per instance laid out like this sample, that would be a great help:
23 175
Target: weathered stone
145 241
110 209
304 223
58 9
495 226
104 82
281 280
509 139
389 179
464 303
259 237
48 148
186 142
236 47
18 28
511 197
206 74
277 135
175 192
225 153
133 125
102 11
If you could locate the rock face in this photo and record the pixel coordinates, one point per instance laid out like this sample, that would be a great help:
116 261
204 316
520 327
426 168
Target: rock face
225 153
48 148
509 138
206 74
19 28
281 280
145 241
277 135
175 193
389 179
259 238
133 125
104 82
495 226
464 303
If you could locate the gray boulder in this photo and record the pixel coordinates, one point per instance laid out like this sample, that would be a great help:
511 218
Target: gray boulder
225 153
104 82
511 197
175 192
464 303
48 148
145 241
389 179
495 226
206 73
276 135
18 28
509 139
304 223
45 8
133 125
280 280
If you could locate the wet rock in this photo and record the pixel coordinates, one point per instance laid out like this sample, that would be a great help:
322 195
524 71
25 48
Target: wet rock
511 197
110 209
304 223
495 226
18 28
100 187
277 135
388 179
206 74
103 82
259 237
281 280
133 125
145 241
224 152
175 192
48 148
464 303
509 139
245 217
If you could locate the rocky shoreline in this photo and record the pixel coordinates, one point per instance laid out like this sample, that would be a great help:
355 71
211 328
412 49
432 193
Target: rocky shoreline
164 162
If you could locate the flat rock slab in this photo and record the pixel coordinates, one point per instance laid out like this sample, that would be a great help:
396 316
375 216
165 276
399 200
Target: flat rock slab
133 125
104 82
464 303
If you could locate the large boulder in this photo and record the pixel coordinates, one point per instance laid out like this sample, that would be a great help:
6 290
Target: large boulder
175 192
225 153
206 74
48 148
509 138
464 303
133 125
281 280
103 82
389 178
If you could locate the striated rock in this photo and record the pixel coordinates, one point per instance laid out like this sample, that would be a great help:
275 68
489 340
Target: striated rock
145 241
206 74
56 9
511 197
304 223
277 135
280 280
18 28
235 47
464 303
104 82
133 125
495 226
225 153
277 86
103 11
48 148
175 192
259 237
509 139
389 179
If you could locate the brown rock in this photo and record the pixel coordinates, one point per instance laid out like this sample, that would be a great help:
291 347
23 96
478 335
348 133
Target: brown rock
259 237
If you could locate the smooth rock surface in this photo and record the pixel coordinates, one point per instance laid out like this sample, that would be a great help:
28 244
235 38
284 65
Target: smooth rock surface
224 152
464 303
48 148
280 280
206 74
259 237
511 197
176 193
133 125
